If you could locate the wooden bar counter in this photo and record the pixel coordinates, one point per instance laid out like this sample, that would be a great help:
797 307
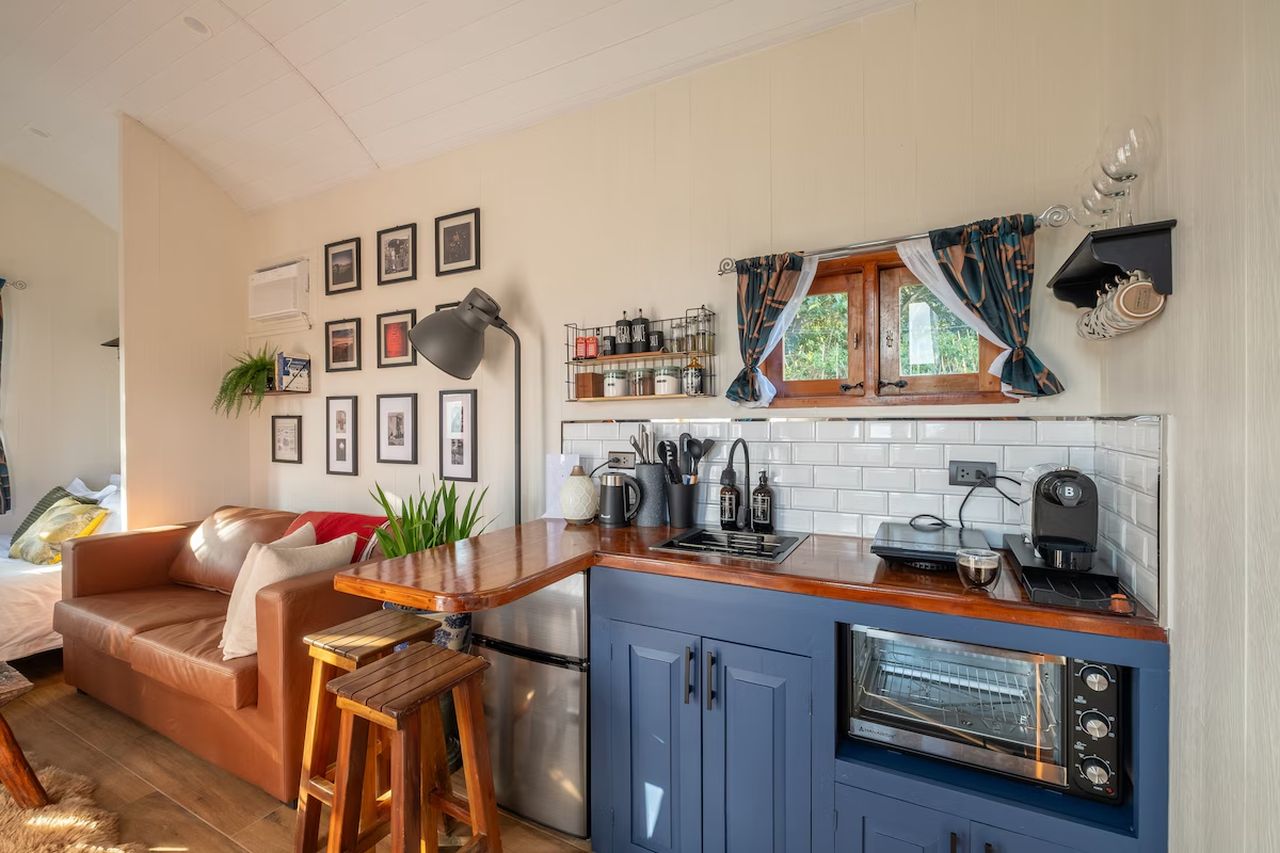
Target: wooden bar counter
505 565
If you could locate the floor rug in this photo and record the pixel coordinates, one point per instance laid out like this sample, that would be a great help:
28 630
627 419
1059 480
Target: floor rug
72 823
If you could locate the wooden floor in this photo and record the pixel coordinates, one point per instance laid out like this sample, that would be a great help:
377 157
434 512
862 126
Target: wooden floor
166 797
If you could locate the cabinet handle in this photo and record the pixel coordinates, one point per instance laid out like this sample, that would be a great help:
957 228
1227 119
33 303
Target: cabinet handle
988 848
688 667
955 842
707 685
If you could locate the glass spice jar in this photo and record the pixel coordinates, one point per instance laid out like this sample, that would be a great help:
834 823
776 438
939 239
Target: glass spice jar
615 383
642 382
666 381
692 378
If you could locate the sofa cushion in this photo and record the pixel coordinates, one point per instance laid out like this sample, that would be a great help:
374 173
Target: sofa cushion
212 557
186 657
109 622
331 525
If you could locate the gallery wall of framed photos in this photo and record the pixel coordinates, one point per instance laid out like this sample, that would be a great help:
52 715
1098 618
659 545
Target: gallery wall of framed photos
368 420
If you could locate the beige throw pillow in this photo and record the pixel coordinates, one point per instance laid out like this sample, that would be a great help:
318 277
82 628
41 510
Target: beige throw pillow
241 600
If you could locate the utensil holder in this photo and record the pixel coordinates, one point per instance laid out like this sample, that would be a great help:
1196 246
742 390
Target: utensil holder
653 494
682 503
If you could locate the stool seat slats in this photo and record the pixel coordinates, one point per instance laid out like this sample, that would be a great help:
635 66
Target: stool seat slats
372 636
396 688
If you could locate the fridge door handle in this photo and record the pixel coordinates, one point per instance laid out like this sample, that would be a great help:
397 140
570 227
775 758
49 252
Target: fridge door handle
688 673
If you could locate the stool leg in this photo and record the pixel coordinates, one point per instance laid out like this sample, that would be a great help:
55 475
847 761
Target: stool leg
475 762
369 792
406 787
435 768
344 821
317 749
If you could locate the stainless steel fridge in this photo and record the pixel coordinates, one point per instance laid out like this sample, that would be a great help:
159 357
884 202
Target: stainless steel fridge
535 702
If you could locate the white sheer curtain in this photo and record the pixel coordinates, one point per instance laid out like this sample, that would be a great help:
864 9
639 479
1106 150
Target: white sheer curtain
918 256
808 268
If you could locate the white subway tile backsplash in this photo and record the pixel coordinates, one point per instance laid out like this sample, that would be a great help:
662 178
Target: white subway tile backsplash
863 502
751 431
794 520
888 479
837 477
838 431
979 508
791 431
814 453
915 455
1146 511
938 482
837 523
587 448
1081 458
1005 432
1021 458
823 499
603 431
973 453
772 453
789 475
871 523
569 432
887 431
901 503
1065 432
864 454
944 432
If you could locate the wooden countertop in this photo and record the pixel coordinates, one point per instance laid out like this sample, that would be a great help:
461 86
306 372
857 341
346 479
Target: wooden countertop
500 567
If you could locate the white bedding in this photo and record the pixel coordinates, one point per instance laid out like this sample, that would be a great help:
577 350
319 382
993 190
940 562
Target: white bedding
27 595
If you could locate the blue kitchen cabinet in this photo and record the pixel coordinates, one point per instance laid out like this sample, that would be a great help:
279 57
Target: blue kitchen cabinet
870 823
757 737
656 738
991 839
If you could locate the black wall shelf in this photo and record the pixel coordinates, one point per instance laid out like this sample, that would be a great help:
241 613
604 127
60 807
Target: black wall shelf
1109 252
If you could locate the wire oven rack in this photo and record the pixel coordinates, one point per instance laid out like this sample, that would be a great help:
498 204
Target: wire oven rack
941 692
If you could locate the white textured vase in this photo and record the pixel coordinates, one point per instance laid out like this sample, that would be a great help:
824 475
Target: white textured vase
578 497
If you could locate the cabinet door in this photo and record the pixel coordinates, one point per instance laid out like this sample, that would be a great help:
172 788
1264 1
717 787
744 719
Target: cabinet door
757 750
870 823
655 747
990 839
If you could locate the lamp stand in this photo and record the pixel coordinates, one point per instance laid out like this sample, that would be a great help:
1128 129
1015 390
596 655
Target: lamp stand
502 324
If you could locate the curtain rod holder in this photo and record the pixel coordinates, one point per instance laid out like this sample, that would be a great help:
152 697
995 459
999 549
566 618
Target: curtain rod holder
1055 216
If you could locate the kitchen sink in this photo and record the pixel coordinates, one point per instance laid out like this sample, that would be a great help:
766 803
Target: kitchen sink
742 545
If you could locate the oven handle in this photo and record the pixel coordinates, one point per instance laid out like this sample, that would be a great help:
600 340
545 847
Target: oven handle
954 645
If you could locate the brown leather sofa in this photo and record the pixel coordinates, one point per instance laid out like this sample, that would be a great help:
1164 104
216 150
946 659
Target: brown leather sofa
141 617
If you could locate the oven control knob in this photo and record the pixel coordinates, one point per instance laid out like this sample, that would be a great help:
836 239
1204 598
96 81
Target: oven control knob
1096 770
1095 725
1095 677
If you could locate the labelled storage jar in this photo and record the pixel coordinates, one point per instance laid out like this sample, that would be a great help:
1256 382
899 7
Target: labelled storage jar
615 383
642 382
666 381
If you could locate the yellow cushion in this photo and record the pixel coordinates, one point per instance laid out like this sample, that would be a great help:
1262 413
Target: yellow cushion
41 543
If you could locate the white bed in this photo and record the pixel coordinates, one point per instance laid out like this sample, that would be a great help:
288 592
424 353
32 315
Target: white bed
27 595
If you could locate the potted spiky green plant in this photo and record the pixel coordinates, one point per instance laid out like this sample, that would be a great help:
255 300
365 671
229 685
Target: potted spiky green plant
247 381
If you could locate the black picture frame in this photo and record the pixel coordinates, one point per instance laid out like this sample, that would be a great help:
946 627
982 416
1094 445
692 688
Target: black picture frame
411 274
410 316
472 262
352 439
331 289
276 422
410 429
468 434
329 363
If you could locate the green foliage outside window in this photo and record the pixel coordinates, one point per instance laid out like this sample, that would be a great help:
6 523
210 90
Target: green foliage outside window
952 346
816 344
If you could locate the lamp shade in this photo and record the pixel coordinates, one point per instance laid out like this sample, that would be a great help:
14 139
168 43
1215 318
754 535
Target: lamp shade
453 339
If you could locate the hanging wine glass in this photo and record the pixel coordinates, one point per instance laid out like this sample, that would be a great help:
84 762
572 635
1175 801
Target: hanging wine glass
1094 207
1126 154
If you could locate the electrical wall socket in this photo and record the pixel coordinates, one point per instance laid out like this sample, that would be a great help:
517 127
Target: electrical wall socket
622 460
969 473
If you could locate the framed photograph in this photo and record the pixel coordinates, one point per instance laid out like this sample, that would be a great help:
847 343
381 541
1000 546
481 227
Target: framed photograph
342 440
286 439
342 345
398 254
394 347
458 242
458 435
342 266
398 428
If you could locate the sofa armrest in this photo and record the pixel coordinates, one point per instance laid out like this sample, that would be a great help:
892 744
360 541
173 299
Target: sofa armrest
287 611
115 562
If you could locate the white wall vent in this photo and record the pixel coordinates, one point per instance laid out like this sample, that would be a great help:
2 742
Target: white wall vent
280 292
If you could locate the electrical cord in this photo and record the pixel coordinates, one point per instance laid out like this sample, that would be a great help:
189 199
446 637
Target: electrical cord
938 523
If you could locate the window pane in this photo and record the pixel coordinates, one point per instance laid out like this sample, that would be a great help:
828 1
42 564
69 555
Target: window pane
933 341
816 345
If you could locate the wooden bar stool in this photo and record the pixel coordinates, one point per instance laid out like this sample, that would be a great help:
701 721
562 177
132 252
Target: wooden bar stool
400 693
334 651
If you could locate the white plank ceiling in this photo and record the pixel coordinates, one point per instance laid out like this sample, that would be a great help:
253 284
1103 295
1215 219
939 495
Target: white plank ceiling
278 99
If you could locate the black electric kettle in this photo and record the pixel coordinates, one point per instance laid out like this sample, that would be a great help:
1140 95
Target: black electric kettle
617 504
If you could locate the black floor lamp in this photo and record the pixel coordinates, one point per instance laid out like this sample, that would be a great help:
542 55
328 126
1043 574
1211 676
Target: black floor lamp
453 340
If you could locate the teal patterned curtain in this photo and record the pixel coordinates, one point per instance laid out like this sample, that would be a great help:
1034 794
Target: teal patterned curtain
6 495
765 285
990 265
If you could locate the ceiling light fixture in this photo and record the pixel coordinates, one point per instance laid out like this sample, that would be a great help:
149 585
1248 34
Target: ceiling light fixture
196 25
35 131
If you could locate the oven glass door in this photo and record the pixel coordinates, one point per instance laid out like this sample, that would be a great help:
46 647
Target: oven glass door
994 708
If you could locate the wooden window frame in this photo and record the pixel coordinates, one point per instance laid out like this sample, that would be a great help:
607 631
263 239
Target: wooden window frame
871 273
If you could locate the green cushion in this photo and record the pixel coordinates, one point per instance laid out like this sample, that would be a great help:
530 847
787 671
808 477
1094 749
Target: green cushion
54 495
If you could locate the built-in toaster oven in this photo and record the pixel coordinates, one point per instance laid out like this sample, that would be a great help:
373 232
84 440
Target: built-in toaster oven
1054 720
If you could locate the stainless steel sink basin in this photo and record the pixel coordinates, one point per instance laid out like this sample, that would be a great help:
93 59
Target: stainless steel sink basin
743 545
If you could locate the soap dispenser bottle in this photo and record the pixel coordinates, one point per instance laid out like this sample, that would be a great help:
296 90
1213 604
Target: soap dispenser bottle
730 499
762 506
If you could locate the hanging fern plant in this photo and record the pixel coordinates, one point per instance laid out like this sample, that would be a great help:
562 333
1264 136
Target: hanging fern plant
247 381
